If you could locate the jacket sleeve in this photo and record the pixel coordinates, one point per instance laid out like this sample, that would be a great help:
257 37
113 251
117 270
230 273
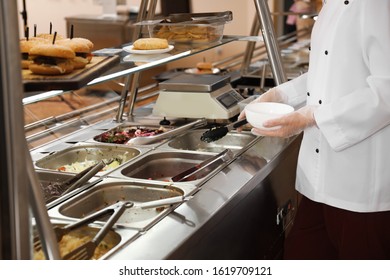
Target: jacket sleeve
366 110
295 90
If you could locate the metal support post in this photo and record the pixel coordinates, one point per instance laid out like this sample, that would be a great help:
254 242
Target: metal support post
250 47
122 101
133 93
268 32
20 191
132 81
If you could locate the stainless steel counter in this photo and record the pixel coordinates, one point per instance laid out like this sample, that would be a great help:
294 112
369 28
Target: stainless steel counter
234 215
242 210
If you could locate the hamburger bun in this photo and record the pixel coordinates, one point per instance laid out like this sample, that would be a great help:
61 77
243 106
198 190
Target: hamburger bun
85 41
51 59
49 37
204 66
75 45
52 50
82 51
59 69
25 46
89 44
26 63
150 44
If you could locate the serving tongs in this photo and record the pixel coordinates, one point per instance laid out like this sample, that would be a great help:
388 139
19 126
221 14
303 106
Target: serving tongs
191 172
144 140
83 177
170 201
75 182
217 133
114 210
86 251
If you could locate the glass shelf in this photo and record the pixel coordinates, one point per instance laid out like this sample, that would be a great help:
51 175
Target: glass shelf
133 63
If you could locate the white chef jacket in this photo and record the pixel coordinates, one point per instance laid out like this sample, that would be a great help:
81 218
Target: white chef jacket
345 161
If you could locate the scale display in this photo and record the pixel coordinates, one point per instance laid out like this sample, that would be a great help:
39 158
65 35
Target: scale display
229 99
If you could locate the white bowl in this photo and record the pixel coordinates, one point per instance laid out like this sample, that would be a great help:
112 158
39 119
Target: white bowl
258 113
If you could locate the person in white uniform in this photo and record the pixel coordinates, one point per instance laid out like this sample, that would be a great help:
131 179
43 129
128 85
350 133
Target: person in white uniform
342 170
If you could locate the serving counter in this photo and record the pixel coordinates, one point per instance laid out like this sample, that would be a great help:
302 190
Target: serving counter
243 212
239 208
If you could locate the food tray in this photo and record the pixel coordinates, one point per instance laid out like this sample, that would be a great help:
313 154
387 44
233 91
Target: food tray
80 156
197 28
112 190
80 236
50 183
162 165
125 133
233 140
75 80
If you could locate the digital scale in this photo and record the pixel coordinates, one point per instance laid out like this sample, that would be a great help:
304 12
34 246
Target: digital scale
197 96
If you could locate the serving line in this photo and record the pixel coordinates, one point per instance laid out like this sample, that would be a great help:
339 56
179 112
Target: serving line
218 223
212 199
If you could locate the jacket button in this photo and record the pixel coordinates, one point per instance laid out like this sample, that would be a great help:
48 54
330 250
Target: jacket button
346 2
308 93
317 151
320 101
326 52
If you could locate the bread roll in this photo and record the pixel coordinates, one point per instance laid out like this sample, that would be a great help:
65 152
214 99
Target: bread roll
150 44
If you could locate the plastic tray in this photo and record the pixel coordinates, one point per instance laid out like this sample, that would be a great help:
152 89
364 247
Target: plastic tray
196 28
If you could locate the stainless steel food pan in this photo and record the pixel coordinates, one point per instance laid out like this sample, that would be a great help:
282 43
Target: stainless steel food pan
112 190
116 238
191 141
80 156
55 186
162 165
137 134
50 183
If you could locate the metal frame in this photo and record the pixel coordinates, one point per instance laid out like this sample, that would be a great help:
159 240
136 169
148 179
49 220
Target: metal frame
262 21
14 214
147 11
19 174
268 31
20 189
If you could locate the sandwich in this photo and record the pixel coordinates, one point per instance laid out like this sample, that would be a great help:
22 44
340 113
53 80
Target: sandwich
51 59
204 68
26 45
82 49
